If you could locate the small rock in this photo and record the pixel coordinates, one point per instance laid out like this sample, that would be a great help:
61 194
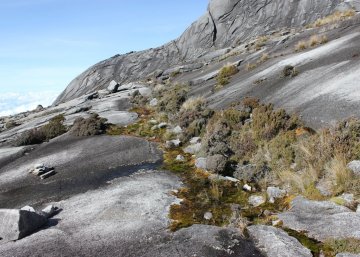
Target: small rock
153 122
358 209
246 187
348 198
49 211
275 193
195 140
102 93
177 130
200 163
216 163
172 144
232 179
48 174
355 167
256 200
208 215
180 158
193 149
113 86
28 208
39 108
153 102
276 223
162 125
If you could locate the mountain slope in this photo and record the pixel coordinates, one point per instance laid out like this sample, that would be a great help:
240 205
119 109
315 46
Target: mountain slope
226 23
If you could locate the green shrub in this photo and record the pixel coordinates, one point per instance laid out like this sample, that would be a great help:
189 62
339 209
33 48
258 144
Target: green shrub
225 74
289 71
267 122
171 99
10 124
91 126
53 129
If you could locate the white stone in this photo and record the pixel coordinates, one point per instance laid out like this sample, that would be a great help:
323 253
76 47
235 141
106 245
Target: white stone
355 167
208 215
162 125
153 102
193 149
28 208
177 130
246 187
180 158
201 163
275 193
195 140
256 200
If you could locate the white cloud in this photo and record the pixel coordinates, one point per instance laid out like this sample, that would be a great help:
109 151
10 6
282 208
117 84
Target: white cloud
12 103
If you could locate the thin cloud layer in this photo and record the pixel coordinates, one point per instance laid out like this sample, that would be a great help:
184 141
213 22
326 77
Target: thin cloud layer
12 103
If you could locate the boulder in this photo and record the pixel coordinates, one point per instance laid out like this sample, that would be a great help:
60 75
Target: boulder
113 86
216 163
172 144
193 149
200 163
195 140
347 255
256 200
275 242
16 224
321 219
153 102
49 211
28 208
275 193
355 167
177 130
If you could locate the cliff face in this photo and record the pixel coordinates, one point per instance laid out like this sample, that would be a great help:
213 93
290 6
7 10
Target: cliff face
226 23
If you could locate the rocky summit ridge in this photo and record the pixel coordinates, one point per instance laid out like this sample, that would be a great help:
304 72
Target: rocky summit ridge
226 23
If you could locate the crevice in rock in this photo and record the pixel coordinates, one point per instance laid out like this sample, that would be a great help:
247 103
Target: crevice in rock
214 30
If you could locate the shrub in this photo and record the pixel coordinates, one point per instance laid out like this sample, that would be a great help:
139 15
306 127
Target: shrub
31 137
225 74
264 57
10 124
91 126
260 42
172 98
267 122
289 71
300 46
250 66
316 40
333 18
53 129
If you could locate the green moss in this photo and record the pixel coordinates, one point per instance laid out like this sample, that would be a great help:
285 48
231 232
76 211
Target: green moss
313 245
335 246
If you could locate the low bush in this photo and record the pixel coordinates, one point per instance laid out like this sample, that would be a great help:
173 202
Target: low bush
289 71
91 126
172 98
225 74
53 129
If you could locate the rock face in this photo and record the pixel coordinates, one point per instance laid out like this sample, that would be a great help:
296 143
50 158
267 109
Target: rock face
16 224
275 242
226 23
321 220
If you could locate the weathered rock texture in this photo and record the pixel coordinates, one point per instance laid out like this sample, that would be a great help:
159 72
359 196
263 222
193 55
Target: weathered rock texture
226 23
321 220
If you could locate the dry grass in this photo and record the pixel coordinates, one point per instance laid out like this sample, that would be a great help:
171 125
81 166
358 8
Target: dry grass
250 66
338 175
264 57
260 42
333 18
193 104
300 46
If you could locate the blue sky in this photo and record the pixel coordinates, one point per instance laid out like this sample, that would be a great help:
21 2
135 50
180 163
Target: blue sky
46 43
